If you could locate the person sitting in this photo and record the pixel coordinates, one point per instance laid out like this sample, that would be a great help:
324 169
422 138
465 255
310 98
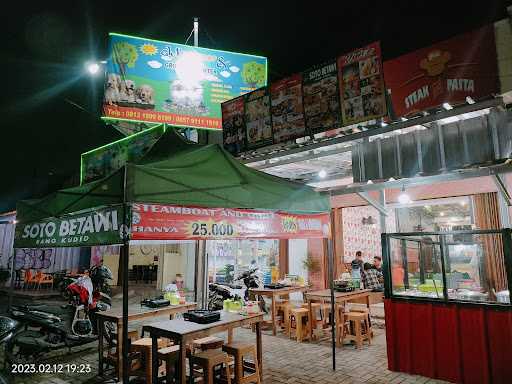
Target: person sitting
371 278
377 263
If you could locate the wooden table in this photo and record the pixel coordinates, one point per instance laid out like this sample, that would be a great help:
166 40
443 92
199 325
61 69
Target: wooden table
273 293
324 296
115 315
184 332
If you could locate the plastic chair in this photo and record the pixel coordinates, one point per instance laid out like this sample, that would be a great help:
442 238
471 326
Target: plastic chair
29 279
45 279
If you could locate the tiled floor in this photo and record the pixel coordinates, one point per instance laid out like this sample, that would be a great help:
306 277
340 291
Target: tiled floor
285 361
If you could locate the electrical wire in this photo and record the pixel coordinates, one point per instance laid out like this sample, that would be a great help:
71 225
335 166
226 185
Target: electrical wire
189 36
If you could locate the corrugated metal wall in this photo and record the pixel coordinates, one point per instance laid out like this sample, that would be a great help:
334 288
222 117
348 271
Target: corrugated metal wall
6 240
481 140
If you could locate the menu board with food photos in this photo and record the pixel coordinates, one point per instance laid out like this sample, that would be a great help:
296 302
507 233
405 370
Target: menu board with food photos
287 109
362 85
257 118
233 126
322 109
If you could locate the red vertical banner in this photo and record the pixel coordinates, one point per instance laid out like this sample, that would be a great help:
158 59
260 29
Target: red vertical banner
362 85
473 345
499 332
448 71
447 356
422 360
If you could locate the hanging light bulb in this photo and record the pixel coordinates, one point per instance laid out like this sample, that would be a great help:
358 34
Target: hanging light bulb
322 174
404 198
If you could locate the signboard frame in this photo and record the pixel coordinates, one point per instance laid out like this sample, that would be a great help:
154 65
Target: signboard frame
358 68
126 141
220 73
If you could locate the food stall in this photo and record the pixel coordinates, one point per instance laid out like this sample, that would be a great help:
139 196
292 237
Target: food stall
179 190
447 302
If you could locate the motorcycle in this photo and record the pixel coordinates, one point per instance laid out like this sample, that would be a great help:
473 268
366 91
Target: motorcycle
217 293
220 292
50 327
99 277
61 281
8 327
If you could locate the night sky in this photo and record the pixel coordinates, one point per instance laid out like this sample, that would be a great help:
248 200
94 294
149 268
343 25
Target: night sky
50 106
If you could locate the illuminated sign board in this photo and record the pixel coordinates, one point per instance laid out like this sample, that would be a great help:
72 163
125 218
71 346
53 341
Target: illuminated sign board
161 82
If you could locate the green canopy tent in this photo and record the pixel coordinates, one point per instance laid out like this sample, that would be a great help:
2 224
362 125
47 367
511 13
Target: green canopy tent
174 171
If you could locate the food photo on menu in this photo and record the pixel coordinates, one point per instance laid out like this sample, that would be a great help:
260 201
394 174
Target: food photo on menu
287 109
233 126
257 118
321 99
371 86
362 89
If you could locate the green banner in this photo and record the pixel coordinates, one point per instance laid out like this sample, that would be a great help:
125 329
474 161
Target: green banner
98 227
103 161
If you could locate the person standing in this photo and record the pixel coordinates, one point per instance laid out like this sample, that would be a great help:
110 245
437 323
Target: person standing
357 265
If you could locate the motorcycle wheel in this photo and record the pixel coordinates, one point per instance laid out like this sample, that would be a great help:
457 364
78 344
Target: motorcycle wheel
17 353
65 294
109 333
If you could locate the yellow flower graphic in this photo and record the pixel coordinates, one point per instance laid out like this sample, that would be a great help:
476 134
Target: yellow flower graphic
148 49
289 224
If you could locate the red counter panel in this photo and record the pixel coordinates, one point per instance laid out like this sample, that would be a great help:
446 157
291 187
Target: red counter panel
451 342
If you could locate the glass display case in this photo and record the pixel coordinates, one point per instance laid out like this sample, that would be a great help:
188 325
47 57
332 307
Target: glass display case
452 266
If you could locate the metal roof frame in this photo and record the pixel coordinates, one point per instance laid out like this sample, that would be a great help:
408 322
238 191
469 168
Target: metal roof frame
423 180
282 150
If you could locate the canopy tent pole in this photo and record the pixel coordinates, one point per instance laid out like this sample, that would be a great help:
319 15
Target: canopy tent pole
204 273
11 287
125 253
330 252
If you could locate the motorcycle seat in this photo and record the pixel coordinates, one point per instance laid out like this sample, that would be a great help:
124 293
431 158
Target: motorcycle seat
57 310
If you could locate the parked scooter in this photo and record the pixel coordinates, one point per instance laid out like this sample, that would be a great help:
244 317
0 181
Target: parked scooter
8 328
50 327
99 275
61 281
220 292
217 293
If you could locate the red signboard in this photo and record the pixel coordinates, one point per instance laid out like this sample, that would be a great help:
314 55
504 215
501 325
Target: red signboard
174 222
448 71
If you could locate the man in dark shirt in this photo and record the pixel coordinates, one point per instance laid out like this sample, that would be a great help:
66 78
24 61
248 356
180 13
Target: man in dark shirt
357 265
